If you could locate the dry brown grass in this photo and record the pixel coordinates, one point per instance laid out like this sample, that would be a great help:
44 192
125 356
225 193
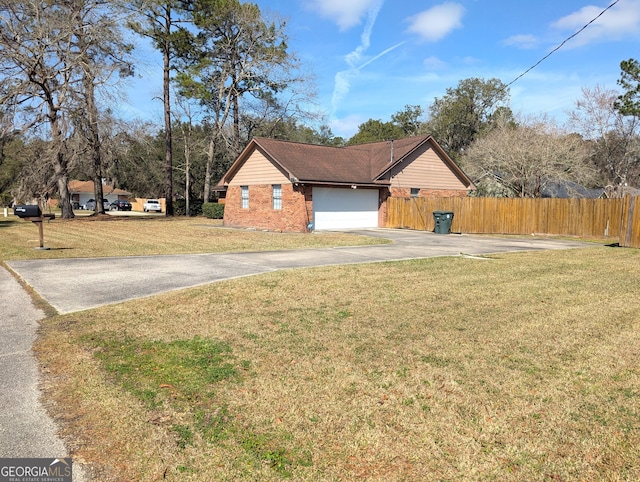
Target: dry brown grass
105 236
523 367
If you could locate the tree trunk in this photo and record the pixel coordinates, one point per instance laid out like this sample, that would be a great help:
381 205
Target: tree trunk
187 155
99 194
62 179
236 126
93 138
60 167
168 158
207 175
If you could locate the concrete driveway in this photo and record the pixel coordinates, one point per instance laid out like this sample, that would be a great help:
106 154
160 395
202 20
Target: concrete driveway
78 284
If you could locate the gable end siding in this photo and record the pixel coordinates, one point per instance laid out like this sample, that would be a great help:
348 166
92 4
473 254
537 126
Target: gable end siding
426 170
258 170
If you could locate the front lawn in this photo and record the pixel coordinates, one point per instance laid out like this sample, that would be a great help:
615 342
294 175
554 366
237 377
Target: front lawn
104 236
519 367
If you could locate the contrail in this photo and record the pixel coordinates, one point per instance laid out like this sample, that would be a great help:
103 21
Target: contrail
342 78
381 54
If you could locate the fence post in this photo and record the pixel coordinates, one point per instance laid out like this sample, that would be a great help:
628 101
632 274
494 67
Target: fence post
626 223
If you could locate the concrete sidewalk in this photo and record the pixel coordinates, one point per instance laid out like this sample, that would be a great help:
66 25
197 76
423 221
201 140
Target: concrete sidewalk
26 430
82 283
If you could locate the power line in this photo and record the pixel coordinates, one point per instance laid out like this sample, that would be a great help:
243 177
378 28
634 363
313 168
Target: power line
559 46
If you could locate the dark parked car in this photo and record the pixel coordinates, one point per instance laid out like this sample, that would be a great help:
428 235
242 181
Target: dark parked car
120 205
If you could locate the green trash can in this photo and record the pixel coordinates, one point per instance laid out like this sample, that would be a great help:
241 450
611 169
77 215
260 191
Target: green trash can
442 220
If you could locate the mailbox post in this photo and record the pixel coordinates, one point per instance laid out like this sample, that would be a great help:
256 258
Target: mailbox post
31 212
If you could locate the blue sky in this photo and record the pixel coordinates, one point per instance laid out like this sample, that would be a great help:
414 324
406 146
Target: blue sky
370 58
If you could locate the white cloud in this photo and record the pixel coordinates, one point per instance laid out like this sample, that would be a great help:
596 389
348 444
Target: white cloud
433 63
437 22
522 41
345 13
469 60
622 20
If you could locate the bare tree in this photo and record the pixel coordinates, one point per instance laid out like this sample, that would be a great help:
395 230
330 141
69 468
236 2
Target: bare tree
524 157
37 180
192 144
100 52
53 58
36 76
613 138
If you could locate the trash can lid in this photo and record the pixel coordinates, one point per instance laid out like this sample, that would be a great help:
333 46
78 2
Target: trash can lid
442 212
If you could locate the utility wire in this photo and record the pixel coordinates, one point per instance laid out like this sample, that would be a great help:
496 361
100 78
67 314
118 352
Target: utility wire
559 46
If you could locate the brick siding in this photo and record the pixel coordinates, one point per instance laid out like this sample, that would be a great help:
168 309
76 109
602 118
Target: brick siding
428 193
297 206
293 217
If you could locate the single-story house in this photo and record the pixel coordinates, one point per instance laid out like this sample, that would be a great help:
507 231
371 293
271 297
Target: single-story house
82 191
289 186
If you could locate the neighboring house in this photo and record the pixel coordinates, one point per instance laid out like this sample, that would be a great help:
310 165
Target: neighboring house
82 191
569 189
288 186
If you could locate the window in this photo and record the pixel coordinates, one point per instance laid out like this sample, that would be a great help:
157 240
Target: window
276 190
245 196
415 191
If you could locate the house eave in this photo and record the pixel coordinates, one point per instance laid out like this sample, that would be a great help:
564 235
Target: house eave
350 184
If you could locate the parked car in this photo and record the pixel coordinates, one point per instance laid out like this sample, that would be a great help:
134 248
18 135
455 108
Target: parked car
152 205
91 204
120 205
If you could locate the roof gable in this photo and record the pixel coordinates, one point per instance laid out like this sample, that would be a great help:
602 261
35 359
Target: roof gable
407 151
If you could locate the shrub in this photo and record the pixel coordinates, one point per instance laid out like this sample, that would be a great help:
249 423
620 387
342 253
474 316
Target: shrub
213 210
180 207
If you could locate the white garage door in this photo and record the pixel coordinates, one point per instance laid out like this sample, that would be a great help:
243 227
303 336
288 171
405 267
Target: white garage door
345 208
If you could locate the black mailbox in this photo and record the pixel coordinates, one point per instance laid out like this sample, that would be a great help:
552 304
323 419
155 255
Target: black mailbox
27 211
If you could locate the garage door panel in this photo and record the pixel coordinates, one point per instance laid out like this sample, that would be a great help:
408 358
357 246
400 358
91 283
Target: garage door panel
345 208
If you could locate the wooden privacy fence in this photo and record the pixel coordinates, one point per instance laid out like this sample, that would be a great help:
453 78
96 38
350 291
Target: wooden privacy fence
611 218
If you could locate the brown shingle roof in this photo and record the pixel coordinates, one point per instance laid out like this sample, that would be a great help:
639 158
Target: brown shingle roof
87 186
353 164
359 164
308 162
